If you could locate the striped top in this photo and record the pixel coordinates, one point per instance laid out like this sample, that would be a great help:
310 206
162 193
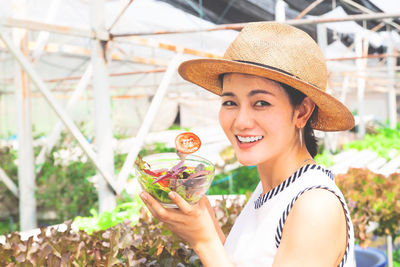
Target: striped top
256 234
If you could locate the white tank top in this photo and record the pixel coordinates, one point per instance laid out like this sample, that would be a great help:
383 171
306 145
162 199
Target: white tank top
256 234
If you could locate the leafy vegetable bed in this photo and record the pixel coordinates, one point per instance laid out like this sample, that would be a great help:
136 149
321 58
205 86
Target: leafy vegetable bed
147 243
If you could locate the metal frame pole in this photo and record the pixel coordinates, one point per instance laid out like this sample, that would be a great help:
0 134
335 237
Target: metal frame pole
119 15
294 22
8 182
389 245
148 120
391 63
345 88
280 14
198 9
61 113
330 138
226 9
149 42
55 134
368 11
56 48
70 78
308 9
2 111
102 106
44 35
322 37
26 173
361 64
34 25
40 26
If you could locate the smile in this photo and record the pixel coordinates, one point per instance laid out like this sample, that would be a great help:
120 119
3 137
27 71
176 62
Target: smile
249 139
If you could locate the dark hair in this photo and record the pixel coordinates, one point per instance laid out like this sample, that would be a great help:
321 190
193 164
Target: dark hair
296 98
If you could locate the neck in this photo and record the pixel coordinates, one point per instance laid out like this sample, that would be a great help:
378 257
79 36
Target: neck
274 171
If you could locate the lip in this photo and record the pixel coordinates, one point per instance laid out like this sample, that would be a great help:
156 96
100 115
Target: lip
247 145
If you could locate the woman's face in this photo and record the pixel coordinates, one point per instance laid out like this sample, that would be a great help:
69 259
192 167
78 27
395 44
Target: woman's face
257 117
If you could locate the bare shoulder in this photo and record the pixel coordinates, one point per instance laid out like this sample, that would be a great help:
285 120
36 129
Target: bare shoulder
315 231
321 205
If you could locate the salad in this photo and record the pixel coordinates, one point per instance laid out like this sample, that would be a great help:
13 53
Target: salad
162 173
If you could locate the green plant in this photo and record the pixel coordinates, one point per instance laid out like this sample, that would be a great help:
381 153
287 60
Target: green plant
384 141
66 189
156 147
178 127
244 180
396 258
8 226
8 200
227 212
148 243
63 185
325 158
127 209
371 198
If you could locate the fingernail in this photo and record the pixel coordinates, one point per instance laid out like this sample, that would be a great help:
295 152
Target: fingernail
143 195
171 195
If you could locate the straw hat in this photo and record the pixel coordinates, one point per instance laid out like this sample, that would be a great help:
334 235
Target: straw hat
281 53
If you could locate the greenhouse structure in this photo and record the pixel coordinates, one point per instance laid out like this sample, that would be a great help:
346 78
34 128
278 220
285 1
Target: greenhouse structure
104 74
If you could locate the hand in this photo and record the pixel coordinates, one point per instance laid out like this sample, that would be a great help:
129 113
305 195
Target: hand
195 224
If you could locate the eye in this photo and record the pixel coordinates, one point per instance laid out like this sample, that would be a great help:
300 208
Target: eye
262 103
228 103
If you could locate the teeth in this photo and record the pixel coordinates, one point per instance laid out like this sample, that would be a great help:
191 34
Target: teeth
249 139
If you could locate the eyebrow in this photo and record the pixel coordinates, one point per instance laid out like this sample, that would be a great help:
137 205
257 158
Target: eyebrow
259 91
251 93
228 94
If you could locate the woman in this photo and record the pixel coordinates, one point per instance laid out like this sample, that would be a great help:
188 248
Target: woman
272 82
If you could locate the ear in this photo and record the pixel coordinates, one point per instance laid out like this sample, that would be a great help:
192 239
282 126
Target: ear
303 112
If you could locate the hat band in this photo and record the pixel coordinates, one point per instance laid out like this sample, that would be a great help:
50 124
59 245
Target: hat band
267 66
273 68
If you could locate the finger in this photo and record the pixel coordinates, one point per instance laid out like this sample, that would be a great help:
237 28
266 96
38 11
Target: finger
205 202
181 203
154 206
166 215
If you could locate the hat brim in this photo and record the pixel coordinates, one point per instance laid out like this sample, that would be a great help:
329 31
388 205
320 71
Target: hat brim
332 114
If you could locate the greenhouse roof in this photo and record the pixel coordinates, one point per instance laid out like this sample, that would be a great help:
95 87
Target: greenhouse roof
137 63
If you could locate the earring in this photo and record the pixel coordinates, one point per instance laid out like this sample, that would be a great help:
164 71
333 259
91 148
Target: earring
301 137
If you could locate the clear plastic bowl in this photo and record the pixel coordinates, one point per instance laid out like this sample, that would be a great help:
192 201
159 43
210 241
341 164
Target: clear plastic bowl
192 190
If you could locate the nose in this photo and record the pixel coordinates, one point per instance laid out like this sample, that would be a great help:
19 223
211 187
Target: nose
244 119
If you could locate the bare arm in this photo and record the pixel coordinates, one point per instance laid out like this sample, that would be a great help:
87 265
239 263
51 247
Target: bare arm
196 224
315 232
